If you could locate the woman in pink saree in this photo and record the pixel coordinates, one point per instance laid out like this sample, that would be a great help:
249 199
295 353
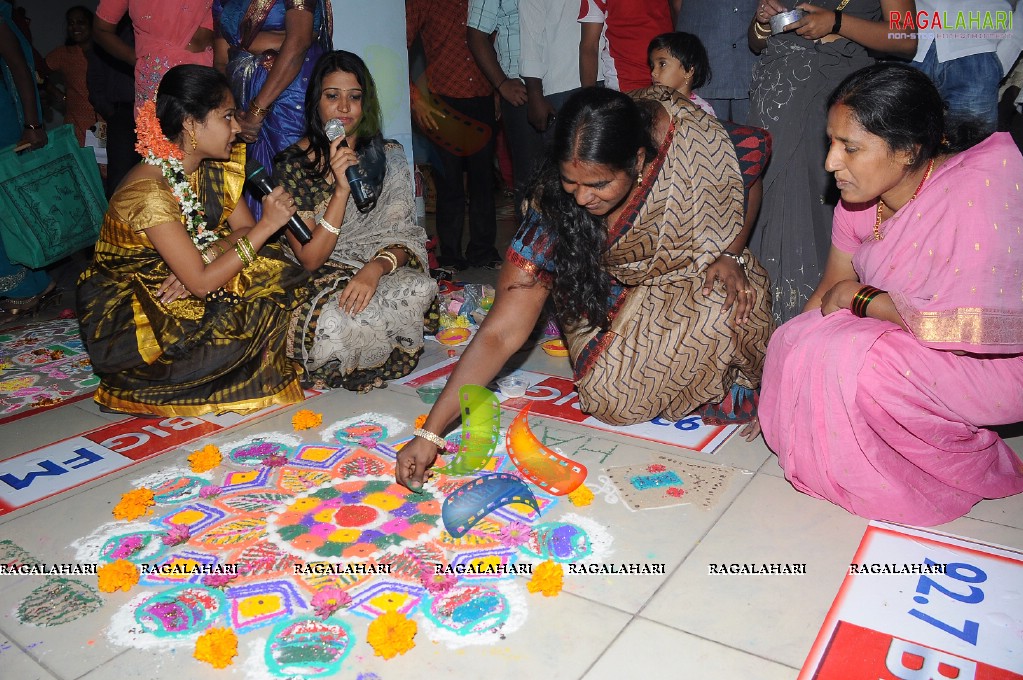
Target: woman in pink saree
879 395
167 33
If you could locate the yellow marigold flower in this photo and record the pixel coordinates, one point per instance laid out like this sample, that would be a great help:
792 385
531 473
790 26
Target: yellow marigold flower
391 634
306 419
217 647
581 496
205 459
134 504
548 578
420 421
117 575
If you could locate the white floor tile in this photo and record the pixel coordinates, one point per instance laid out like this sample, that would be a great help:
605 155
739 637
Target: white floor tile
649 650
18 664
561 638
772 616
47 427
983 531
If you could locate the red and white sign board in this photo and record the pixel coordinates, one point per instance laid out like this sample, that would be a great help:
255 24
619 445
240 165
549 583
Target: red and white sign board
57 467
894 621
555 397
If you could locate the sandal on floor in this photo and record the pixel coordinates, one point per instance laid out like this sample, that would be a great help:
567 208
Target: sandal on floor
366 388
11 308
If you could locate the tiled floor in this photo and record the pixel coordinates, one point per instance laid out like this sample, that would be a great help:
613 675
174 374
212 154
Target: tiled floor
682 624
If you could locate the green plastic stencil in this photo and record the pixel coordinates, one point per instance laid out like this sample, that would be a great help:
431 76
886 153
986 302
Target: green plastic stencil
481 425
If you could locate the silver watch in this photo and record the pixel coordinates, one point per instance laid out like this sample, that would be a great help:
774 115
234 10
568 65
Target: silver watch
739 259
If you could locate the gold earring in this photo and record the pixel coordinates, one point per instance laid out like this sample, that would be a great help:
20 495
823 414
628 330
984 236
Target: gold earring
191 134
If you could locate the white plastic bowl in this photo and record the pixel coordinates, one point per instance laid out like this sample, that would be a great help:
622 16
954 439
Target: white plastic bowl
513 386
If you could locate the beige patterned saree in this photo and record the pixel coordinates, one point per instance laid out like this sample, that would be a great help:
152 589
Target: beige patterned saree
669 348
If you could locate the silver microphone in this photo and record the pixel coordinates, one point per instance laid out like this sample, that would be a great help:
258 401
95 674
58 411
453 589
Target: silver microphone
334 129
362 190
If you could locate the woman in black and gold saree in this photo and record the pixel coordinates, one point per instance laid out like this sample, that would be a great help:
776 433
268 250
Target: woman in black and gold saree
184 309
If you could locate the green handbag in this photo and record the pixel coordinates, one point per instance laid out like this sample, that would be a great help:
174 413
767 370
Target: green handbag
51 200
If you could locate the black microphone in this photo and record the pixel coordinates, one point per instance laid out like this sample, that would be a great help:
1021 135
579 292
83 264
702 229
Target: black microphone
363 193
256 175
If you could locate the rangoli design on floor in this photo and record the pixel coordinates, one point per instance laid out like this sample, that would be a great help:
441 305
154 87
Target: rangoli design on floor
42 366
331 521
669 481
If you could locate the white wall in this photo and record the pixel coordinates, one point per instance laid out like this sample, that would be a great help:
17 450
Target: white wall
375 30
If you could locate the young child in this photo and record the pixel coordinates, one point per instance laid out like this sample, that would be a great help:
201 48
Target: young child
679 61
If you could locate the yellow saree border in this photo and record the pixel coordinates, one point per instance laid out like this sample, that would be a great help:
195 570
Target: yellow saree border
291 394
148 346
968 325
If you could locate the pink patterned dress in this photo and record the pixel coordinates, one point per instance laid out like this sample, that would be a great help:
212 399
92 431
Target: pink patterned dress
162 32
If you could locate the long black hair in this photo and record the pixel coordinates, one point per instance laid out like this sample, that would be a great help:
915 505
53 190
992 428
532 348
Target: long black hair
596 125
369 145
189 90
901 105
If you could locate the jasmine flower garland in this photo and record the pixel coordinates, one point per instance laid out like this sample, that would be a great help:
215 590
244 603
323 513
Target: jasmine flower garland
157 150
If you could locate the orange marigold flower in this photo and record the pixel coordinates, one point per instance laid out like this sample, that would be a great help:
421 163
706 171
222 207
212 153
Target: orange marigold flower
205 459
391 634
217 647
306 419
548 578
581 496
117 575
134 504
420 421
150 135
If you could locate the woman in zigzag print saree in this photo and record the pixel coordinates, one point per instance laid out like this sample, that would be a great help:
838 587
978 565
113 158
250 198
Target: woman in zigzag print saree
635 229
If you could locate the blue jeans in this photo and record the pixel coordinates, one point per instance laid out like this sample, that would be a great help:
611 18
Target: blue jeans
968 84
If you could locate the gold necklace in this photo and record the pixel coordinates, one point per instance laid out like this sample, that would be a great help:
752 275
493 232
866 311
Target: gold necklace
881 204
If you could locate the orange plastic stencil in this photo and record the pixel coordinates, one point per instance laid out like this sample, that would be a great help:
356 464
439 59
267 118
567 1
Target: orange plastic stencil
548 469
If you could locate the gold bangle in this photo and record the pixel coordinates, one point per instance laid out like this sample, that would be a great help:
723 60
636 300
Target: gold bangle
257 110
390 257
241 255
247 244
434 439
246 253
763 35
208 253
